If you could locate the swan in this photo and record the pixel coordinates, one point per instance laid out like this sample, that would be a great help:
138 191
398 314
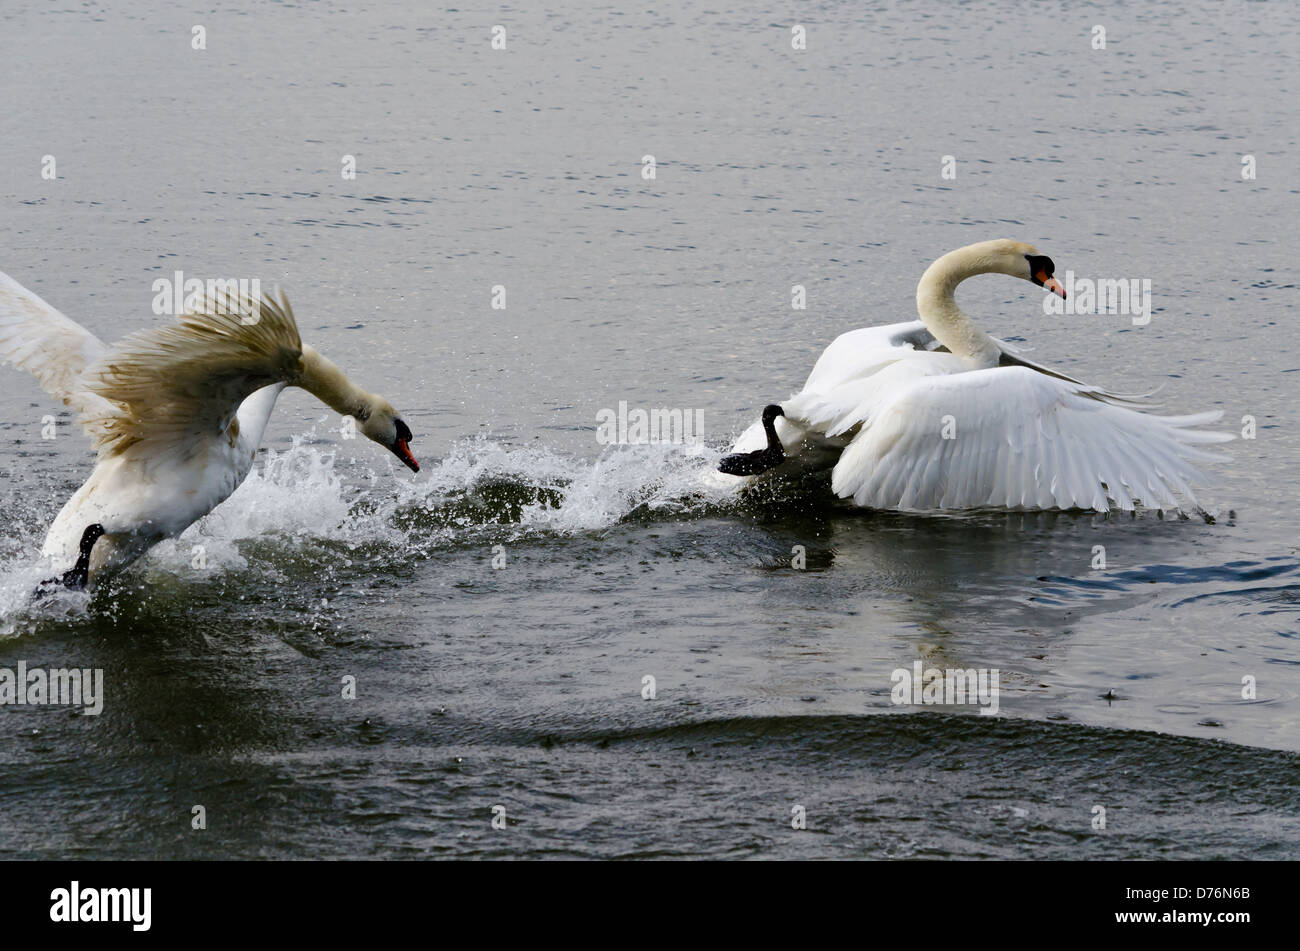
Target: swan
176 414
936 414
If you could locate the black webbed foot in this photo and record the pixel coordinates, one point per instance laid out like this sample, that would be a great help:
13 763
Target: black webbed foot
760 460
78 575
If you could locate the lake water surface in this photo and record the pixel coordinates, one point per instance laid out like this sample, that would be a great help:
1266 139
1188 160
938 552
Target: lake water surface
522 686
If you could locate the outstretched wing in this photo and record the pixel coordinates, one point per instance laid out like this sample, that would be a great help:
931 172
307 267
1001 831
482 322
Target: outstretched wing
1013 437
185 379
39 339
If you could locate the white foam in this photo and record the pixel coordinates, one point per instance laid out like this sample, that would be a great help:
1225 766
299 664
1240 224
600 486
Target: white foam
575 495
302 493
626 478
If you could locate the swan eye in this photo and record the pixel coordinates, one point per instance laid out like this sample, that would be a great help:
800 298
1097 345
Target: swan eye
1041 268
403 431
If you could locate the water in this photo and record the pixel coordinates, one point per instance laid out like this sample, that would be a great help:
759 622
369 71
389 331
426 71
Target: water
522 686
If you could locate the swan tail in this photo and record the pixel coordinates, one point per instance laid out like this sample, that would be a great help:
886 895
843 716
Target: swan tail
170 382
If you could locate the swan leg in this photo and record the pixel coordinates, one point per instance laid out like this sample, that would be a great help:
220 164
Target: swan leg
760 460
76 577
750 463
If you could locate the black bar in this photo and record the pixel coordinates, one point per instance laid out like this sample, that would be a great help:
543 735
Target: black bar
332 900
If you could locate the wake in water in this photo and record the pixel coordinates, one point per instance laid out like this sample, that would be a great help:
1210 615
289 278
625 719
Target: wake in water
479 483
299 501
482 482
301 515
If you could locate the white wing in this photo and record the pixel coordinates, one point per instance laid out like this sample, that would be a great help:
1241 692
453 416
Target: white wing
1019 438
858 353
843 377
171 383
56 350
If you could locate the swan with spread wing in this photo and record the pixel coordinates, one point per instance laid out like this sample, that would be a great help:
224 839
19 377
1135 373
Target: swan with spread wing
936 414
176 414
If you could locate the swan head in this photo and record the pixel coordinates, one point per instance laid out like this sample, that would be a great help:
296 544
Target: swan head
1025 262
771 412
384 426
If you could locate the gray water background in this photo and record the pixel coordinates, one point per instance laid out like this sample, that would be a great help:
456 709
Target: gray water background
522 687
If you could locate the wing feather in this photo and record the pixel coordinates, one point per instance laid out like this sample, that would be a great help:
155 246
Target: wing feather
170 383
1023 439
53 348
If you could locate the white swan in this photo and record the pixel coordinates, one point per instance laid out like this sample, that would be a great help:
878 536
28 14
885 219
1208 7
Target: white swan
176 414
936 414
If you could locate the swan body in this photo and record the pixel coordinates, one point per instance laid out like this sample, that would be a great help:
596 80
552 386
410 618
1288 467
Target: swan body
147 493
935 414
176 413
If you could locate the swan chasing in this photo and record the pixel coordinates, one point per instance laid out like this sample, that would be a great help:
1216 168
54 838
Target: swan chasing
936 414
176 414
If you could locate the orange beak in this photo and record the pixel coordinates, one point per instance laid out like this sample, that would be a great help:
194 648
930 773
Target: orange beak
402 451
1051 283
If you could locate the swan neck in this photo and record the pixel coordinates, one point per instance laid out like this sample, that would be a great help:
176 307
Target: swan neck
255 413
936 303
322 378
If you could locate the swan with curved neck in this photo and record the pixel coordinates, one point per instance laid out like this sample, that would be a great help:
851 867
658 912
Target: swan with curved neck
176 413
936 300
937 414
322 378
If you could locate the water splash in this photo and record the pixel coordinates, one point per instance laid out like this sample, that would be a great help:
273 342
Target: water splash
535 490
301 499
290 498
